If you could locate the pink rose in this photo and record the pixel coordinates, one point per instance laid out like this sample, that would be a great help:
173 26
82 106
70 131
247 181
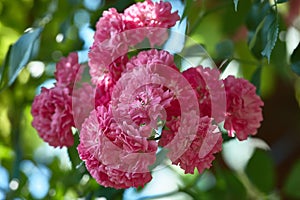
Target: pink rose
67 70
52 116
114 157
209 90
244 112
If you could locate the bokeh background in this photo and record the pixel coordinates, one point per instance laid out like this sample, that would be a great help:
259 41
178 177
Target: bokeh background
234 33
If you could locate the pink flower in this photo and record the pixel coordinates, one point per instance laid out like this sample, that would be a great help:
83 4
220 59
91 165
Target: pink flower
108 57
144 107
104 91
110 24
150 14
52 116
151 20
117 67
114 157
140 96
67 69
244 112
199 152
116 32
151 58
209 90
83 102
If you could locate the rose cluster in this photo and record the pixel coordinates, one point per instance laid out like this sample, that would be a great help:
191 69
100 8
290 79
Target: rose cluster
52 108
142 102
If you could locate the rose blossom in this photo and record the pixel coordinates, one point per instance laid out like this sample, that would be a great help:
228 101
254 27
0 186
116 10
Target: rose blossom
107 56
151 58
109 24
52 116
244 112
140 96
115 32
199 152
66 71
209 90
83 102
151 20
114 157
104 90
150 14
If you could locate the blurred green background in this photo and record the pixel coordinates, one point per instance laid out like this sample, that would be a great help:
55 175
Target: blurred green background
257 40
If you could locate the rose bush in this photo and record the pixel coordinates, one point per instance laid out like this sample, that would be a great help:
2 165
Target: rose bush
142 102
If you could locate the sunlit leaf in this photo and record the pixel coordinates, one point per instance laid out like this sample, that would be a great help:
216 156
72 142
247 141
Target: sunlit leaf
5 152
291 187
237 154
261 163
295 60
18 56
235 4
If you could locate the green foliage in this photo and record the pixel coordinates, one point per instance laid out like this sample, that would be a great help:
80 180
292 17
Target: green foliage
272 35
230 187
282 1
18 56
295 60
261 172
292 184
73 153
5 152
224 50
262 23
256 79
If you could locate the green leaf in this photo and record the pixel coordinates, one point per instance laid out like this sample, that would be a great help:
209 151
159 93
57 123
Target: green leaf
281 1
187 8
234 184
256 14
261 163
226 183
272 35
235 4
256 79
292 184
254 36
5 152
258 22
18 56
224 50
295 60
73 153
